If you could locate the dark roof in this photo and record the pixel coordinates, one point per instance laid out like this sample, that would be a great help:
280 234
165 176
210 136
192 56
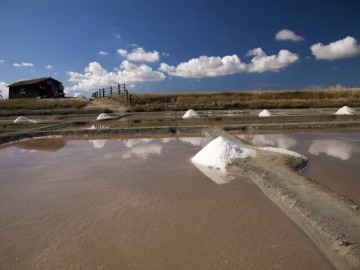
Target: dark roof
33 81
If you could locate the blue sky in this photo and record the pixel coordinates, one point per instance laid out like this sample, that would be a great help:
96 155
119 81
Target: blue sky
177 46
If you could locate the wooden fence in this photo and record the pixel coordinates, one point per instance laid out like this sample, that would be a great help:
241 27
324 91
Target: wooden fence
112 91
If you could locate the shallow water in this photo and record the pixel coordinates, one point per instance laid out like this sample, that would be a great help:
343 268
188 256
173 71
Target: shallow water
334 159
136 204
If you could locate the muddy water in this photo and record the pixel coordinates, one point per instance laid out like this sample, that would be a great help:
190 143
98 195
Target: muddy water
334 159
136 204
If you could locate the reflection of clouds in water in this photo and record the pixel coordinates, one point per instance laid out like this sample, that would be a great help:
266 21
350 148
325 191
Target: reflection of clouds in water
167 140
280 141
195 141
132 142
143 151
28 151
98 144
142 148
334 148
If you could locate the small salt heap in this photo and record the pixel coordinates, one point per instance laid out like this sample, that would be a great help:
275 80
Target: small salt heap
220 152
345 111
104 116
78 95
23 119
190 114
264 113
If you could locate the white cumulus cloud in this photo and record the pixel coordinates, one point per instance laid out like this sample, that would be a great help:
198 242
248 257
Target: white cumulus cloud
23 64
95 76
103 53
287 34
343 48
261 62
140 55
49 67
206 66
215 66
4 91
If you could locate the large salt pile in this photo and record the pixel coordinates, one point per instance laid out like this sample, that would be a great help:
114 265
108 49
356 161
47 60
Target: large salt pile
220 152
190 114
264 113
23 119
104 116
78 95
345 111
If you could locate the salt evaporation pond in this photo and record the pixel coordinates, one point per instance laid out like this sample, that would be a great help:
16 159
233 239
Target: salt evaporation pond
136 204
334 159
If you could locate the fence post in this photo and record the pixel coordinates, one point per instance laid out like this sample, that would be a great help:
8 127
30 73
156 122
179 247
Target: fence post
127 95
103 92
119 89
111 91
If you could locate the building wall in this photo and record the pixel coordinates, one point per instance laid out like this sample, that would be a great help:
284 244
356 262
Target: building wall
44 89
25 91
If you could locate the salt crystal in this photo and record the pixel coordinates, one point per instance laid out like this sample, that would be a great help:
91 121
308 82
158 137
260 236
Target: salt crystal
264 113
190 114
345 111
220 152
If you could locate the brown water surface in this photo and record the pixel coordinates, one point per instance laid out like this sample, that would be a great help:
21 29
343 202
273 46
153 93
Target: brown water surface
334 159
137 204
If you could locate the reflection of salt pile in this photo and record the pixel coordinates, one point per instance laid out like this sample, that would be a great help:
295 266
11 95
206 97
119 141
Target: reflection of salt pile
220 152
345 111
23 119
264 113
104 116
80 96
219 177
190 114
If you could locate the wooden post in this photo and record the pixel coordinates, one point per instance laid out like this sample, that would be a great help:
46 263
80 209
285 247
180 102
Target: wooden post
111 91
127 95
119 89
103 92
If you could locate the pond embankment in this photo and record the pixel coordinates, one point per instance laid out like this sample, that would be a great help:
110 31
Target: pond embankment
329 219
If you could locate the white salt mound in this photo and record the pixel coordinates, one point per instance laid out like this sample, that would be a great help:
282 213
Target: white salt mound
23 119
264 113
220 152
104 116
345 111
284 151
190 114
78 95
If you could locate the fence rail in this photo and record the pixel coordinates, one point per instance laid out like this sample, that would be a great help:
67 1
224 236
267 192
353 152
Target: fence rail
112 91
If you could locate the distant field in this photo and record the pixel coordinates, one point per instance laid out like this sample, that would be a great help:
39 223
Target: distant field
309 98
42 104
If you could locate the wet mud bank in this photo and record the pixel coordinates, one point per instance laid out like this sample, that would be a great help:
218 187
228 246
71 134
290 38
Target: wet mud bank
332 221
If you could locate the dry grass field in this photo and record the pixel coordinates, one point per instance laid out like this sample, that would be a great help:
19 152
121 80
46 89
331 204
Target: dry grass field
289 99
310 98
